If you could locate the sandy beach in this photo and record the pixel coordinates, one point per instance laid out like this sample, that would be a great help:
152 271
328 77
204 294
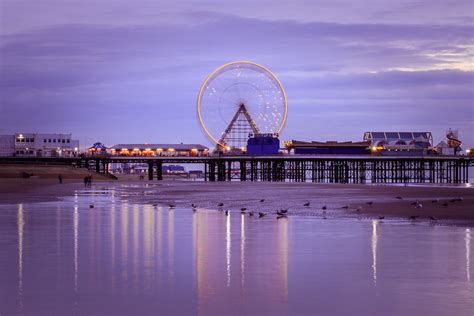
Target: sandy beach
340 200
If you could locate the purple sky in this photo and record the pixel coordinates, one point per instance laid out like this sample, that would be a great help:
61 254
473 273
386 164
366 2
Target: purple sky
121 71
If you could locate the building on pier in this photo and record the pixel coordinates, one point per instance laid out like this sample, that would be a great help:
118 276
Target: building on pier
159 150
327 148
400 143
38 145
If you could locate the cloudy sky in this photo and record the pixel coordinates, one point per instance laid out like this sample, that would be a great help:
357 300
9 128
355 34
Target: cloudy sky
129 71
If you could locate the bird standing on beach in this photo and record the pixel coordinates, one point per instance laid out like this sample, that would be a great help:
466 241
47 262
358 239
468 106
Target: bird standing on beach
91 205
262 200
306 204
194 205
281 216
433 218
399 198
226 212
435 201
413 217
220 204
445 204
370 203
324 207
171 205
419 205
345 207
381 217
261 214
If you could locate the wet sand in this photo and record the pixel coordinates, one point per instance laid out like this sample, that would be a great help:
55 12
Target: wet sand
236 195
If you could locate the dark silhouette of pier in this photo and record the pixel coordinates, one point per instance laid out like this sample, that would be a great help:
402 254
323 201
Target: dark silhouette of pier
291 168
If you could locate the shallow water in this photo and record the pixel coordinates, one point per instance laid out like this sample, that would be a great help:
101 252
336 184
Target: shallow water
117 258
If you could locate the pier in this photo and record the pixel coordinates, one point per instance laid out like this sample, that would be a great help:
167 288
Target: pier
292 168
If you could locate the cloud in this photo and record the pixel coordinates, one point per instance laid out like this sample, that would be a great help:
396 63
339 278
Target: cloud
145 77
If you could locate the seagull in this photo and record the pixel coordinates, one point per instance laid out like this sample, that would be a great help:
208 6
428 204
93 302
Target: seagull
171 205
155 205
306 204
419 205
445 204
281 216
435 201
262 200
324 207
399 198
370 203
220 204
414 203
453 200
243 209
413 217
194 205
91 205
345 207
281 213
433 218
251 213
381 217
284 210
261 214
226 212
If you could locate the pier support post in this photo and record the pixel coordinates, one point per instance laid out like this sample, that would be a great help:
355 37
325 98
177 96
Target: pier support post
150 170
159 170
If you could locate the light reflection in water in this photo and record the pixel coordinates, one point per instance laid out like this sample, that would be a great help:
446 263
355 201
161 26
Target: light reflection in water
228 248
124 242
242 250
171 247
20 223
136 246
283 255
76 245
374 250
468 254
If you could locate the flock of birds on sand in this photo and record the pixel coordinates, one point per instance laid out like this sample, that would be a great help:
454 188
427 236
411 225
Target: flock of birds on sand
283 212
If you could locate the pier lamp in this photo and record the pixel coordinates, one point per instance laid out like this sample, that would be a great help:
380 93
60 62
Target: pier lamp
468 151
374 148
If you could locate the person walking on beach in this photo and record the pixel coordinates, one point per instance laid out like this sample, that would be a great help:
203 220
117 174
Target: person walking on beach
90 181
60 178
86 180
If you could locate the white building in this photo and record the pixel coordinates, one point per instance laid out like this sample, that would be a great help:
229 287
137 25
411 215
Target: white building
38 145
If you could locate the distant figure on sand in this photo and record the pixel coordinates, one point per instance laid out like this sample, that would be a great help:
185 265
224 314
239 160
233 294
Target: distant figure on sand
60 178
86 180
89 181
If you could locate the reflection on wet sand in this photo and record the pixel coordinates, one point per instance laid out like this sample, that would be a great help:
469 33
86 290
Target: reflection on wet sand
214 263
227 248
467 238
374 250
20 223
76 246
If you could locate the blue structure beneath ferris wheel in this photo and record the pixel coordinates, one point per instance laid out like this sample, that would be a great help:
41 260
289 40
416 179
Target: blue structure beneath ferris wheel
263 144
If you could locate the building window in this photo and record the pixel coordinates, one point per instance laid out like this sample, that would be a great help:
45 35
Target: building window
64 141
54 140
68 141
49 140
44 140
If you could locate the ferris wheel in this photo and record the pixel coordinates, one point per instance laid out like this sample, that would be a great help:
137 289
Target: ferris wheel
241 98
